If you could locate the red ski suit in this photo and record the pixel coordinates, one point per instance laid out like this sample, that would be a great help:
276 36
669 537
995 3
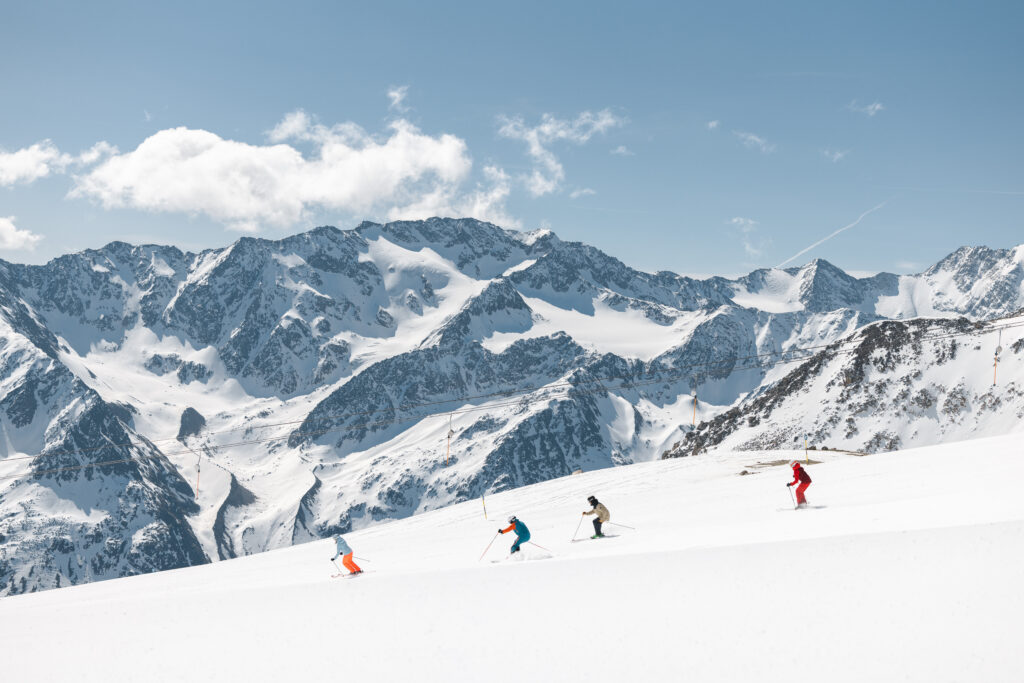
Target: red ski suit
800 476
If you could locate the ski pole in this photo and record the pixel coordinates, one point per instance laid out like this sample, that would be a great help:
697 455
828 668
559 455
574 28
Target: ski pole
362 559
577 529
336 565
790 489
539 546
488 546
622 525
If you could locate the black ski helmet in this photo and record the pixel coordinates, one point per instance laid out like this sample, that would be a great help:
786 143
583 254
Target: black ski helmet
592 500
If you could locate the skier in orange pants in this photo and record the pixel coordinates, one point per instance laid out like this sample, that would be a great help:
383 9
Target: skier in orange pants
346 556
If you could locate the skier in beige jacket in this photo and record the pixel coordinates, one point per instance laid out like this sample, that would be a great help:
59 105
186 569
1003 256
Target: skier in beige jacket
602 515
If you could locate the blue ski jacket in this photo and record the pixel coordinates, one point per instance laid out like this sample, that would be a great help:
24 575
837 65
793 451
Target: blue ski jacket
343 548
521 531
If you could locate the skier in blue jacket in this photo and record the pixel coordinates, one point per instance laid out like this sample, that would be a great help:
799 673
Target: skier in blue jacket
522 533
346 556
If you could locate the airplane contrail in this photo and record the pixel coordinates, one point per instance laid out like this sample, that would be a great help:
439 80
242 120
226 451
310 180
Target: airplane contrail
826 239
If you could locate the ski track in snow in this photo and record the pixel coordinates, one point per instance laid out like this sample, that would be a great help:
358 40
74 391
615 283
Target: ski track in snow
912 571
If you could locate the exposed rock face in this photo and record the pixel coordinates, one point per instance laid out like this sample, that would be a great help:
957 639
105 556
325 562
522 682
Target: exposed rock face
191 423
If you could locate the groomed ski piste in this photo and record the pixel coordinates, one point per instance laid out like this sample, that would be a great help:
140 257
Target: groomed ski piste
908 567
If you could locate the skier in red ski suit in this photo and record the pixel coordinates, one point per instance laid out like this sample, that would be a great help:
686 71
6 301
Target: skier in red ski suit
801 477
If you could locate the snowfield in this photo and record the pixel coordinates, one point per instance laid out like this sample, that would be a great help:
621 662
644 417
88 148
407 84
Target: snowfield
910 567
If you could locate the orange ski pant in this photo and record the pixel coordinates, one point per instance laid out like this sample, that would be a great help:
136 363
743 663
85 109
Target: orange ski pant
349 564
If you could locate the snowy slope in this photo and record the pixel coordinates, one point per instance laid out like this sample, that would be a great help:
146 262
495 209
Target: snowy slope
909 569
326 369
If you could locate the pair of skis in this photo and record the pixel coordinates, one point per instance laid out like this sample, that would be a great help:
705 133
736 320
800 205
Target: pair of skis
574 539
594 538
348 575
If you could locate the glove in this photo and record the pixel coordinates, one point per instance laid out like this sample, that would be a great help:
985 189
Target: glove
789 484
501 531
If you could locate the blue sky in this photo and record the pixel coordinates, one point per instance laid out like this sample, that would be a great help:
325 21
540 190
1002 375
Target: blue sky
708 139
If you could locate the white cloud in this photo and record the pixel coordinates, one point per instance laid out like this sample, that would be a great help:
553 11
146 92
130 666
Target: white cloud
754 142
305 167
622 151
248 186
296 125
98 151
712 125
747 227
31 163
869 109
396 97
835 155
909 266
548 173
486 202
13 238
582 192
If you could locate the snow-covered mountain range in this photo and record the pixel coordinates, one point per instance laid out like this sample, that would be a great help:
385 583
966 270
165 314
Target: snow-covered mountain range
161 409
